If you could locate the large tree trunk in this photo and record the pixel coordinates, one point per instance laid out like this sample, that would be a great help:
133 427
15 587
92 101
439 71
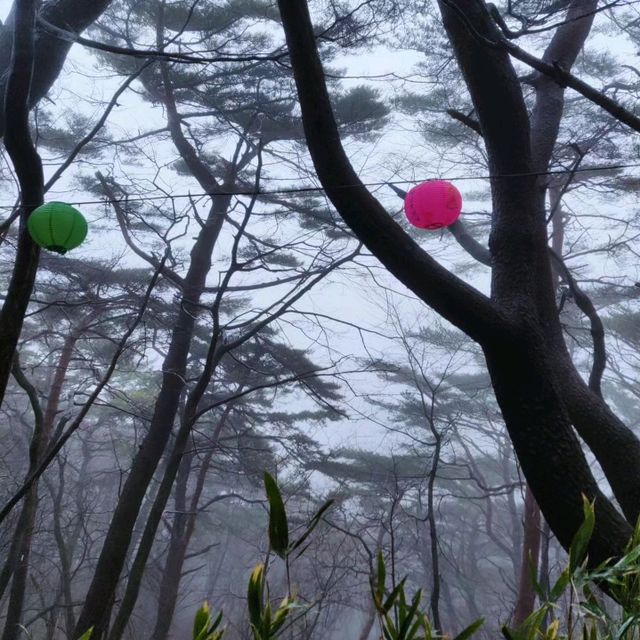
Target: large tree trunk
549 452
515 327
172 571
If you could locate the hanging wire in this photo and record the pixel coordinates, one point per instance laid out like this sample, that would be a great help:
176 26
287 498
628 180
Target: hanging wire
316 189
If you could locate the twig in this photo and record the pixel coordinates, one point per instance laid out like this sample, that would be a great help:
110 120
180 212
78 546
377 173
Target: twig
55 448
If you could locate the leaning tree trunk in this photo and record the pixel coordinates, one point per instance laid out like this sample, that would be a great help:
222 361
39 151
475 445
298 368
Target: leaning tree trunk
515 327
110 563
181 532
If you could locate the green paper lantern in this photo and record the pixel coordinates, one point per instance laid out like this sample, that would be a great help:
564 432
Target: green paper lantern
57 226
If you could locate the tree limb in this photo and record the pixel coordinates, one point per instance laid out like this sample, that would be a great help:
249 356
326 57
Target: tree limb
50 52
584 303
28 168
53 451
465 119
458 302
566 79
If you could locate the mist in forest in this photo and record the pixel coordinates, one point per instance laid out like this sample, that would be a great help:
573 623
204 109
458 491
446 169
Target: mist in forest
263 381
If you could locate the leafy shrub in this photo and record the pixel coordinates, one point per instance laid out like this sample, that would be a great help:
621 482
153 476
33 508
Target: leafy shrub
404 618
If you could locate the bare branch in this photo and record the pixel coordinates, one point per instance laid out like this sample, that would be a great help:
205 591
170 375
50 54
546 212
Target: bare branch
86 407
584 303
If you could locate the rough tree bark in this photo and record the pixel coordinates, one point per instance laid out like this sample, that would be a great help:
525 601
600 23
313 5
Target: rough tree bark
514 327
546 118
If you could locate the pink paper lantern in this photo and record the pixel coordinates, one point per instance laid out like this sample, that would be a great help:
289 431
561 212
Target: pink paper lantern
433 205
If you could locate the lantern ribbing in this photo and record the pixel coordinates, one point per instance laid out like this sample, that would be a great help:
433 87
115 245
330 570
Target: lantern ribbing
433 205
57 227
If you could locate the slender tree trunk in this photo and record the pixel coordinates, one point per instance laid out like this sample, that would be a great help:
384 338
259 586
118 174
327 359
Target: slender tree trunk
180 539
12 555
12 628
448 600
526 599
172 571
434 599
214 576
23 534
134 580
151 526
65 547
145 462
371 609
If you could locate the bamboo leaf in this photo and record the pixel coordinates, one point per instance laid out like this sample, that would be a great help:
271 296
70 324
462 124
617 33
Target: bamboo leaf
254 597
409 615
312 524
379 580
560 586
201 621
470 630
278 526
581 540
392 597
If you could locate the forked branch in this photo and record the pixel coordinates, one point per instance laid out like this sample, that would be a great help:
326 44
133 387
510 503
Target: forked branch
449 296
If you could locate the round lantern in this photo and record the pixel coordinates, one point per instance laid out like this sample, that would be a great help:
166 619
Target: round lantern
57 226
433 205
